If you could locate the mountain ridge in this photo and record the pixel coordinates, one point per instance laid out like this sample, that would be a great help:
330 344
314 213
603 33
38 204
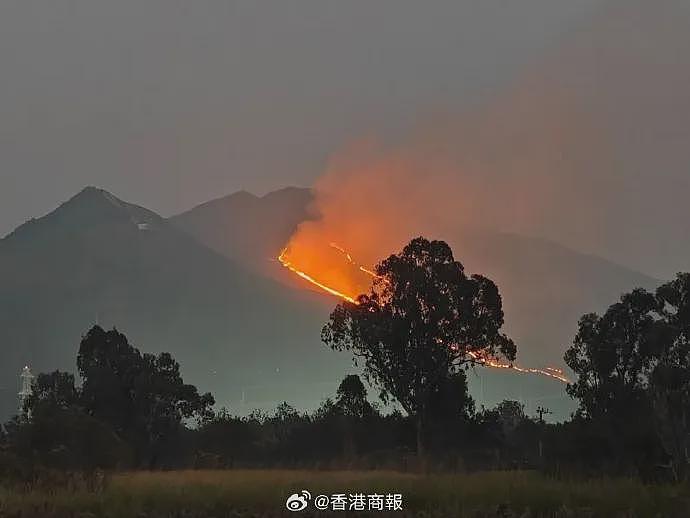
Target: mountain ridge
93 199
216 305
270 219
534 275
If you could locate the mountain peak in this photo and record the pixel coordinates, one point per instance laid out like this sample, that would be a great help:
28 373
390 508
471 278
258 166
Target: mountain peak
88 208
93 193
91 189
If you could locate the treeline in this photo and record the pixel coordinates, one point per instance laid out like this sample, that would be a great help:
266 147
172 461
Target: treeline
349 433
424 323
134 411
129 405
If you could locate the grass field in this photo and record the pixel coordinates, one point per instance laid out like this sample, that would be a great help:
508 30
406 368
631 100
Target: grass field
264 492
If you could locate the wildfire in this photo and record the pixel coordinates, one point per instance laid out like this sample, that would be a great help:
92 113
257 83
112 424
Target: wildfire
287 264
485 360
351 261
549 372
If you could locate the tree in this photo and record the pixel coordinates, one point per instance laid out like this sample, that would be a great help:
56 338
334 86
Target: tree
449 413
226 439
351 398
53 391
633 368
352 409
141 396
451 399
60 434
670 378
611 356
289 434
421 322
510 414
67 438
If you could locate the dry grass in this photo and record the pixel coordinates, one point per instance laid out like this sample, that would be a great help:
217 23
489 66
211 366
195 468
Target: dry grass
263 493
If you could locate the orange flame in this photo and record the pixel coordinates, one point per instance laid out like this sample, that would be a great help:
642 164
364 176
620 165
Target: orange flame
549 372
287 264
484 360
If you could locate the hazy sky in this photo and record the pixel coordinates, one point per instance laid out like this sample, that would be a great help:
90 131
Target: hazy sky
565 119
170 103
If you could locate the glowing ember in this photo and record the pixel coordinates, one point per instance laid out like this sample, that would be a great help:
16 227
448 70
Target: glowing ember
549 372
485 360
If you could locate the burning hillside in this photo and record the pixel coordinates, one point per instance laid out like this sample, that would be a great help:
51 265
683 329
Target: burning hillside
333 269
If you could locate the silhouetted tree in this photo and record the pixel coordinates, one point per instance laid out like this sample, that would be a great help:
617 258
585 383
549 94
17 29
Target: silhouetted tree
228 439
510 414
449 411
422 320
611 356
141 396
670 378
67 438
353 410
451 399
53 391
633 367
351 397
60 434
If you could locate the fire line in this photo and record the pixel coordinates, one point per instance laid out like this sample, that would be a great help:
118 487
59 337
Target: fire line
549 372
486 361
287 264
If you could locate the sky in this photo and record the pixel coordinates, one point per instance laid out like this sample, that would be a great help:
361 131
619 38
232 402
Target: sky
170 103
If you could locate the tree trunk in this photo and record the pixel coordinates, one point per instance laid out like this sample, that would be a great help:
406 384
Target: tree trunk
421 443
349 448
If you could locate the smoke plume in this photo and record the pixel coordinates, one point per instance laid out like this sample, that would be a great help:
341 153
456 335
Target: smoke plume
588 148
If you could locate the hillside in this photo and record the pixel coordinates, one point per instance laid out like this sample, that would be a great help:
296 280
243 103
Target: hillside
546 287
245 227
208 295
99 259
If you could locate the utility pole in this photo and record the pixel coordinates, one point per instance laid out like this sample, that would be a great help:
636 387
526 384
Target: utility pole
542 411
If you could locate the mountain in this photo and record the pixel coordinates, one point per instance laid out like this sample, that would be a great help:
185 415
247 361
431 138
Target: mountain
99 259
248 228
546 287
202 286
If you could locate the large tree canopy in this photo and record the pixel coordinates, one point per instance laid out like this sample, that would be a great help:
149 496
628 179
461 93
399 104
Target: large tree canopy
422 320
633 368
142 396
612 354
128 400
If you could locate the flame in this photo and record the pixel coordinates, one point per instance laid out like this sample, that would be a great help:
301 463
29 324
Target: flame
482 359
549 372
287 264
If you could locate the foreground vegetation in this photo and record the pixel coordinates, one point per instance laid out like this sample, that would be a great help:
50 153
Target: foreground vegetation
264 492
423 324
